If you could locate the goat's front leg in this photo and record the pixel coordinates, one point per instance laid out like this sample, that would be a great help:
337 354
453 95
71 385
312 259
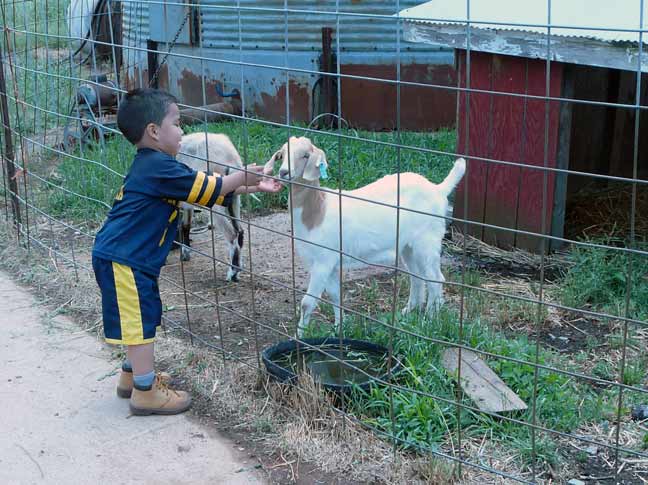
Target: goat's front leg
316 285
186 215
235 244
333 292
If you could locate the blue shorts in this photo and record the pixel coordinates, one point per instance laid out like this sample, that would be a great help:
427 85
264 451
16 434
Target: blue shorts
130 301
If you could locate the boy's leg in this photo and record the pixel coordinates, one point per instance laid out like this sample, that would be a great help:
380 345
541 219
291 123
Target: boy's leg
142 362
143 355
125 384
151 395
141 358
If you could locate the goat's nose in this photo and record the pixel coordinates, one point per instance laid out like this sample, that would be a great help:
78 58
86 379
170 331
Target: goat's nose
283 173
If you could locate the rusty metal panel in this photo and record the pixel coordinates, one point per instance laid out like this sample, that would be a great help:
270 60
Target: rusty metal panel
265 29
371 104
367 47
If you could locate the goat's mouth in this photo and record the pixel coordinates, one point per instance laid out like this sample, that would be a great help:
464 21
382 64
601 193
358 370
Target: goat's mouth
285 176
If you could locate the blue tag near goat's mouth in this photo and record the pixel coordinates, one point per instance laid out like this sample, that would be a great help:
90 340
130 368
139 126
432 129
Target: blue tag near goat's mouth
323 174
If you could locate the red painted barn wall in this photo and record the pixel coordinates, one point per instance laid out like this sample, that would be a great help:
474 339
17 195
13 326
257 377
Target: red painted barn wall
509 128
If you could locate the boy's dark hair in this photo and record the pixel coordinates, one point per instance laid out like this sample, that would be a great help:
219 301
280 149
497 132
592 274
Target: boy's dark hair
140 107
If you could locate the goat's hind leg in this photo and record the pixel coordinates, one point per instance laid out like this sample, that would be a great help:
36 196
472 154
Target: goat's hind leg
427 256
417 293
435 284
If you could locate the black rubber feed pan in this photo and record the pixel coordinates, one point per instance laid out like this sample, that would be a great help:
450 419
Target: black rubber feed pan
330 361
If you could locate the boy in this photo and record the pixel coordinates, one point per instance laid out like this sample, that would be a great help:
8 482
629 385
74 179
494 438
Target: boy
135 240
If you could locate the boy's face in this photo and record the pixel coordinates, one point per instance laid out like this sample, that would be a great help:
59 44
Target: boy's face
170 133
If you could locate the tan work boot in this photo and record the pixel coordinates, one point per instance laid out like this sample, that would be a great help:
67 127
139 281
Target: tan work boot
159 400
125 384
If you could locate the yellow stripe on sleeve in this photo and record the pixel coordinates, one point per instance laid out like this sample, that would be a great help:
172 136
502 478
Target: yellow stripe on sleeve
130 315
209 191
220 199
195 189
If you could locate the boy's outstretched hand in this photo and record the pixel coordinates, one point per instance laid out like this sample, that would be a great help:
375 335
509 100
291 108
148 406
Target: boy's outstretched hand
269 185
256 182
253 174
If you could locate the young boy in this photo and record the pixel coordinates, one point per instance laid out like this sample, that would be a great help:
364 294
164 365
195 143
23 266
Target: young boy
135 240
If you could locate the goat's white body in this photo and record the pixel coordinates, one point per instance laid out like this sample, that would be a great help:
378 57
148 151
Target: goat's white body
369 236
213 152
368 228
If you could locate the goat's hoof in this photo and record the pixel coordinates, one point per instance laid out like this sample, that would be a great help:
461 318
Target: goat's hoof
411 309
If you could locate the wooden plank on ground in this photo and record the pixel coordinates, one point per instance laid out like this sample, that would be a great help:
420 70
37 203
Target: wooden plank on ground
482 385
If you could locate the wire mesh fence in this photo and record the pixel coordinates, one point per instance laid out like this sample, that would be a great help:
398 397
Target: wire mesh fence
527 363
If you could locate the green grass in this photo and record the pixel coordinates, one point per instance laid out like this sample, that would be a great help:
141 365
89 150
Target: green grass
561 403
35 17
87 179
597 279
28 80
362 163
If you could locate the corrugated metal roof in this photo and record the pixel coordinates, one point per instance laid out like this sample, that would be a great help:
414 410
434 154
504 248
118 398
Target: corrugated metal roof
586 17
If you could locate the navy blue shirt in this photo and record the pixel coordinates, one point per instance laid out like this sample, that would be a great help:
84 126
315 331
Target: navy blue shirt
142 223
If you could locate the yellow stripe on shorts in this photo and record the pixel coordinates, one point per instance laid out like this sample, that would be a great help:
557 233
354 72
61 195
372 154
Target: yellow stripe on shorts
197 186
130 315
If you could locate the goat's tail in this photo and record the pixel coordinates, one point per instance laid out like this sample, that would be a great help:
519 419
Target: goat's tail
454 177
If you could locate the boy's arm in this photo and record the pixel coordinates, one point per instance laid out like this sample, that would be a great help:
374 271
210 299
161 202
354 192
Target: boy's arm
267 185
240 179
174 180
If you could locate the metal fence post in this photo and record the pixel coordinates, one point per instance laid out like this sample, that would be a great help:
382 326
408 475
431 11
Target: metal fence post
9 153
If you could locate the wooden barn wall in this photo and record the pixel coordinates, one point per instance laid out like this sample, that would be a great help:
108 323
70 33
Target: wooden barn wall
511 129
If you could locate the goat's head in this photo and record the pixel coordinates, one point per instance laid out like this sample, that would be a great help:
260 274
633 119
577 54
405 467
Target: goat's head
306 161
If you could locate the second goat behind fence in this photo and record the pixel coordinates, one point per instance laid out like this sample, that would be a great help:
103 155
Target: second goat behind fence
213 152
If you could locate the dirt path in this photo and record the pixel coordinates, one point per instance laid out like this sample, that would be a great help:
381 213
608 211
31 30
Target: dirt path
62 422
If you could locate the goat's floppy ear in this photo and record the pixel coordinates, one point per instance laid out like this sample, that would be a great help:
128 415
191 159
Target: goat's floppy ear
278 155
316 166
268 168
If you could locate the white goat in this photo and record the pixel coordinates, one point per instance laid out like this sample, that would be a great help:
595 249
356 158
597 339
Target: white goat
213 152
368 229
